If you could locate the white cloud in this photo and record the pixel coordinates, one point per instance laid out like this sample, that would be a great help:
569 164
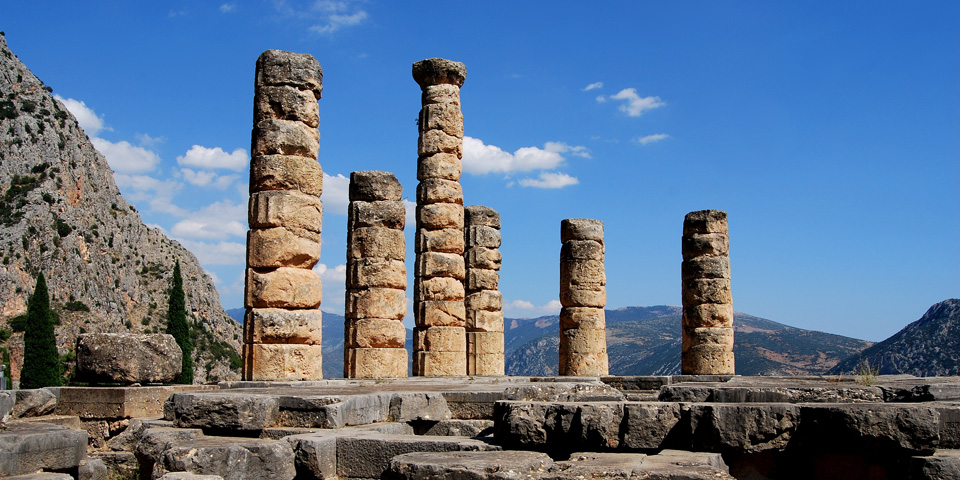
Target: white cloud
410 213
217 221
158 194
527 309
549 180
89 121
635 105
219 253
560 147
126 158
334 17
334 285
228 7
593 86
210 158
601 99
481 159
651 138
148 141
203 178
336 194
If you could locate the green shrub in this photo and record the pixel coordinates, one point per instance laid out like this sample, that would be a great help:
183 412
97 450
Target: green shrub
77 306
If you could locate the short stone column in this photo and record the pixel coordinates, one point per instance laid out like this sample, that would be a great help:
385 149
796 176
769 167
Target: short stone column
583 294
282 324
707 347
376 301
484 303
440 343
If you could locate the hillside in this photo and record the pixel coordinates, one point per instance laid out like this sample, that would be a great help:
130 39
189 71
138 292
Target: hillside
61 213
646 341
925 348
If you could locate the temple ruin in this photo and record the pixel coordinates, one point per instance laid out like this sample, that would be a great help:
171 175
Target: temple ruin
484 303
583 294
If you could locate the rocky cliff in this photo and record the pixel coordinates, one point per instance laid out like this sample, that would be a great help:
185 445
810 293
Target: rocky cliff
61 213
927 347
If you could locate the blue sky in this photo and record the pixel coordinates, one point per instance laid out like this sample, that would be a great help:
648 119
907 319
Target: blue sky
829 131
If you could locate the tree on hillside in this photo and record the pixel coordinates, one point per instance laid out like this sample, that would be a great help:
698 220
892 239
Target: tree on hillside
41 361
177 325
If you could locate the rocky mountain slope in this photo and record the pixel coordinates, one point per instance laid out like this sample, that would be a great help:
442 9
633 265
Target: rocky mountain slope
927 347
646 341
61 213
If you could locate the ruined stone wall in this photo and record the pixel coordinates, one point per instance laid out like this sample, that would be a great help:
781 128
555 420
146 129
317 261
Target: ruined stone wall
583 294
484 303
707 347
439 337
283 324
376 301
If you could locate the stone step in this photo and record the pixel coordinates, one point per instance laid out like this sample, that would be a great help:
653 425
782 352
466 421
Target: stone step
27 447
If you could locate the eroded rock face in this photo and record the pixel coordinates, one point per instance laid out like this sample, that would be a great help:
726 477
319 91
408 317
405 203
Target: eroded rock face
128 358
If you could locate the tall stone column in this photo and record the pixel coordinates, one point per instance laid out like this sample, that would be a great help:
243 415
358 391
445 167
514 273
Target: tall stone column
440 343
376 301
707 299
282 324
484 303
583 294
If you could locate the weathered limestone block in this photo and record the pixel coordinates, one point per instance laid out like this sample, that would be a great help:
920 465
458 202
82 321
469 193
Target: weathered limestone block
707 290
583 340
280 247
705 244
446 240
278 325
436 216
903 428
490 300
484 321
583 296
440 339
432 142
369 456
375 333
446 117
216 410
33 403
438 190
445 166
481 279
28 447
285 102
486 364
439 288
648 424
583 272
285 208
376 362
373 185
708 315
285 137
469 465
189 476
286 172
438 264
277 67
581 229
942 465
284 288
479 215
705 267
705 221
128 358
375 272
461 428
590 364
576 250
376 242
743 428
441 313
483 236
435 71
484 258
379 213
233 458
376 303
281 362
696 336
582 317
92 469
561 426
441 93
485 342
708 360
439 364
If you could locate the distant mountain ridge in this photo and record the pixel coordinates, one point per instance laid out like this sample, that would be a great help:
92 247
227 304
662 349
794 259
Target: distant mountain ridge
927 347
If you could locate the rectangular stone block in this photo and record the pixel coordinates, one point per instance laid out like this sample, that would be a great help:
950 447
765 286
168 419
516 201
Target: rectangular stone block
573 229
285 208
374 185
709 244
386 214
581 250
479 215
432 142
376 242
435 264
484 321
705 221
286 172
438 288
707 360
440 93
486 364
481 279
483 236
280 247
582 317
707 290
485 258
440 314
300 70
374 333
442 116
439 364
283 287
376 303
436 216
693 337
447 240
286 137
582 272
284 102
490 300
583 340
484 342
439 339
584 364
375 363
441 165
705 267
583 296
277 325
439 190
708 315
285 363
376 272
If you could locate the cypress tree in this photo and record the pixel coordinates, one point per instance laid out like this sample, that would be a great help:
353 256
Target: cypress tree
177 325
41 361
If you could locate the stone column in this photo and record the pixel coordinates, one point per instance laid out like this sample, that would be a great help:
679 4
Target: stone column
440 343
583 294
376 301
283 293
707 299
484 303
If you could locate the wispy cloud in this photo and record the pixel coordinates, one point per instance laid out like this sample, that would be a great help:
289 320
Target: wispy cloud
228 7
335 15
549 180
211 158
593 86
633 104
651 138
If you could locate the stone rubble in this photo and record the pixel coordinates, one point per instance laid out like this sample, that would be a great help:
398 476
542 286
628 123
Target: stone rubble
439 343
583 294
282 326
484 303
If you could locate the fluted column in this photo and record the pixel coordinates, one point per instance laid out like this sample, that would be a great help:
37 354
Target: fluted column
583 295
484 302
